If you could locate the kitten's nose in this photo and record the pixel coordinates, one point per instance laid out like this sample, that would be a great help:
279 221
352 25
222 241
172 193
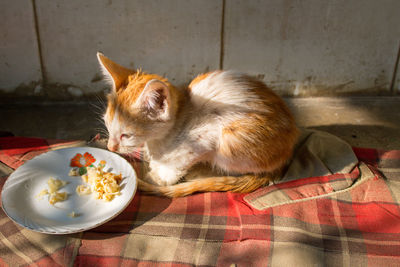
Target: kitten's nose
112 146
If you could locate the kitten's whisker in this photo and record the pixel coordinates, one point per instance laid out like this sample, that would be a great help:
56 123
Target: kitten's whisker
101 100
101 121
102 132
99 106
102 129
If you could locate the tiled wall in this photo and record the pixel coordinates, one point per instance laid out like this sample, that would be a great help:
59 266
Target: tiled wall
300 48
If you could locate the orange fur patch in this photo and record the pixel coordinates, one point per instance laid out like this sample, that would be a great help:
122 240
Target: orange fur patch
133 88
253 139
198 79
266 136
241 184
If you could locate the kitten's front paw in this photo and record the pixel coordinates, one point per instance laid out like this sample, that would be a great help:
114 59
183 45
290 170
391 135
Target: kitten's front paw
153 178
164 175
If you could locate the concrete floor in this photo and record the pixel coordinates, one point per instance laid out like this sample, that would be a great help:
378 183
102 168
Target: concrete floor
364 121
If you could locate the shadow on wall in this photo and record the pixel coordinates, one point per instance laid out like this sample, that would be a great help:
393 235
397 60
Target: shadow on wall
371 136
79 121
363 121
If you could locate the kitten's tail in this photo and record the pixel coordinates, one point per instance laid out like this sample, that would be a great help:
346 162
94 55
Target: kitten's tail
242 184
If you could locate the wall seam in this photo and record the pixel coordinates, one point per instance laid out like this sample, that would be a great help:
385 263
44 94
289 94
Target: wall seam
222 37
39 43
395 70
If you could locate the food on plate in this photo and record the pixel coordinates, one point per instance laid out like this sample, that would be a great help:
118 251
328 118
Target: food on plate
43 193
55 184
104 185
73 172
83 190
72 214
54 196
57 197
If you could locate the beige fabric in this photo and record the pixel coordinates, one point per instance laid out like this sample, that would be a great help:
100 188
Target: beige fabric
319 154
280 197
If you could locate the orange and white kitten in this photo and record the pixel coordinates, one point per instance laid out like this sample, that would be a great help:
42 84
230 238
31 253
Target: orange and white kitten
226 119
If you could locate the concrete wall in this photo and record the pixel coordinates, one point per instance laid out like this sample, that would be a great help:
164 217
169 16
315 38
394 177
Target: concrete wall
19 57
299 47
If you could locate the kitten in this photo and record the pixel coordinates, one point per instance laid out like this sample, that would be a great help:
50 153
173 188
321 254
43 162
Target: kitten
229 120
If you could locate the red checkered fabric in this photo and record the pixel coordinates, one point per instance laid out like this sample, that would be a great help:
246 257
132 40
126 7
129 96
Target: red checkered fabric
335 220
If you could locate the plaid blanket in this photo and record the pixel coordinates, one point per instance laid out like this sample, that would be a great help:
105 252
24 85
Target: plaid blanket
343 219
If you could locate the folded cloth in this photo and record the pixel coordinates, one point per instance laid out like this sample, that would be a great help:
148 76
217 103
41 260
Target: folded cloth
340 219
317 154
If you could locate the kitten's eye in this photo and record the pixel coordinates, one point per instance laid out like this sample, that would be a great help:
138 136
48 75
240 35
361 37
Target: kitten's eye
125 136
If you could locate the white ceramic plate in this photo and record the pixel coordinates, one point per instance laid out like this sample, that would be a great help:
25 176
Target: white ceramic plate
21 204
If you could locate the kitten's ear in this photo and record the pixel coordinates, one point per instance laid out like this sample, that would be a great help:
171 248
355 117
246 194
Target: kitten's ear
155 99
116 73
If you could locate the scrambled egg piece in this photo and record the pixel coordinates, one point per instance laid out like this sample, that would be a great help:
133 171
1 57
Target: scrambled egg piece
83 190
104 185
72 214
43 193
57 197
73 172
54 196
55 184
